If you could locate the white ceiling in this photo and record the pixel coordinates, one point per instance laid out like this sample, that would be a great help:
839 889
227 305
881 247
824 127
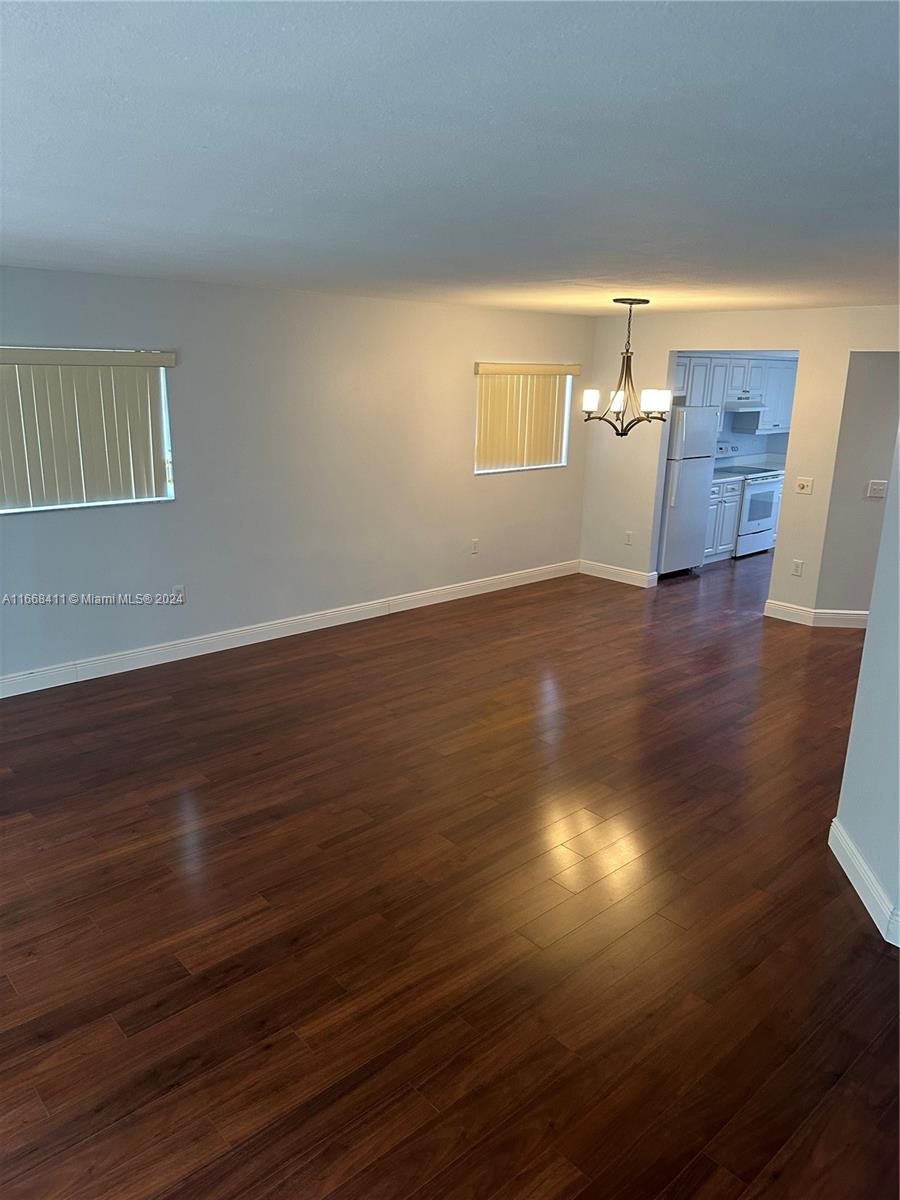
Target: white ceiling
530 155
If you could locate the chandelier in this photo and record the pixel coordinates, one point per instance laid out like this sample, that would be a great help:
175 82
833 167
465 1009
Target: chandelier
624 410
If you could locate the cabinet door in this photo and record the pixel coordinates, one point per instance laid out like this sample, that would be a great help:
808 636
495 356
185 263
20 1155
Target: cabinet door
712 526
718 382
726 534
756 376
698 380
779 397
681 376
738 375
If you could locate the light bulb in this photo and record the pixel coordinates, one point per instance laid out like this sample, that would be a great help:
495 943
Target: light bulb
656 400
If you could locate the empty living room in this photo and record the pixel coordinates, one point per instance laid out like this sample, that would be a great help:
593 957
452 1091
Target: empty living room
449 528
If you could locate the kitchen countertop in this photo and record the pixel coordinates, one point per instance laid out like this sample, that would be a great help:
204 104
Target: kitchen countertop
723 473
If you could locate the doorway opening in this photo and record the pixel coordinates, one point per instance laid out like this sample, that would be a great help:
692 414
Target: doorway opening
725 456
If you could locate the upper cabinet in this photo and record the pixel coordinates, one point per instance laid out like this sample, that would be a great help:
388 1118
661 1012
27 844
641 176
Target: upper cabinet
681 374
697 380
746 379
738 375
756 377
781 376
692 378
771 381
720 381
702 380
718 386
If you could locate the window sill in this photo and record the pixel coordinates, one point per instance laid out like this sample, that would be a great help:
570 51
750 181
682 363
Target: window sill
7 512
518 470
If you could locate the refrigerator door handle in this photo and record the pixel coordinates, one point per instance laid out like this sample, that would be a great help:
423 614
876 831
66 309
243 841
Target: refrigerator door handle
676 475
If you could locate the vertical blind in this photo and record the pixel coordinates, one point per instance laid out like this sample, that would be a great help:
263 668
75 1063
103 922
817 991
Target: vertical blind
523 415
82 427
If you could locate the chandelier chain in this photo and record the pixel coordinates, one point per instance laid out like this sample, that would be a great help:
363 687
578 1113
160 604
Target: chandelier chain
628 329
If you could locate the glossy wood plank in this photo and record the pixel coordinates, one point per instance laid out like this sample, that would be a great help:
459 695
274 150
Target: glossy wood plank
845 1147
778 1108
702 1179
523 897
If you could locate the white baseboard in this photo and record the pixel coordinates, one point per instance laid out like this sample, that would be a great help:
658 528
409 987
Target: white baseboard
644 579
876 900
820 618
475 587
17 683
36 681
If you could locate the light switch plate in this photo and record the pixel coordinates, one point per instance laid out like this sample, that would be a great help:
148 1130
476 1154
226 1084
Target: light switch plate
804 485
877 489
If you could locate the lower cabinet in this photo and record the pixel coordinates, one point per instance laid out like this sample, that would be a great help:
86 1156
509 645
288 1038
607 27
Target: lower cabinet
712 528
729 512
722 519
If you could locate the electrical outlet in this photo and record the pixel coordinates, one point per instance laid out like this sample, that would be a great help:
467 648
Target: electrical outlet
877 489
804 485
627 537
797 566
474 545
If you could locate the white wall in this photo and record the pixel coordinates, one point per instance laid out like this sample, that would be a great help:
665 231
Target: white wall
624 477
323 453
865 446
866 831
323 450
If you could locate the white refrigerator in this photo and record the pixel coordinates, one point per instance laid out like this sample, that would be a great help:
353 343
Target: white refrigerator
690 460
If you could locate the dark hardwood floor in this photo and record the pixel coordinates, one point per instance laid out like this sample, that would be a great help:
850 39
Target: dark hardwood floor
523 897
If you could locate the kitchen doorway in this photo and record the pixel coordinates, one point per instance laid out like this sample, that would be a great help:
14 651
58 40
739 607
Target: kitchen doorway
725 456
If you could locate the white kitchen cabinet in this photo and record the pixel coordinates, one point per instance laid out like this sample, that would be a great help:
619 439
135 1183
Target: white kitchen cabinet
746 378
681 376
727 524
722 519
697 380
712 529
717 380
718 385
738 376
778 397
756 376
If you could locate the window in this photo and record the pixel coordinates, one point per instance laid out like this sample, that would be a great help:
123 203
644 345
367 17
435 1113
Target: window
81 427
522 420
